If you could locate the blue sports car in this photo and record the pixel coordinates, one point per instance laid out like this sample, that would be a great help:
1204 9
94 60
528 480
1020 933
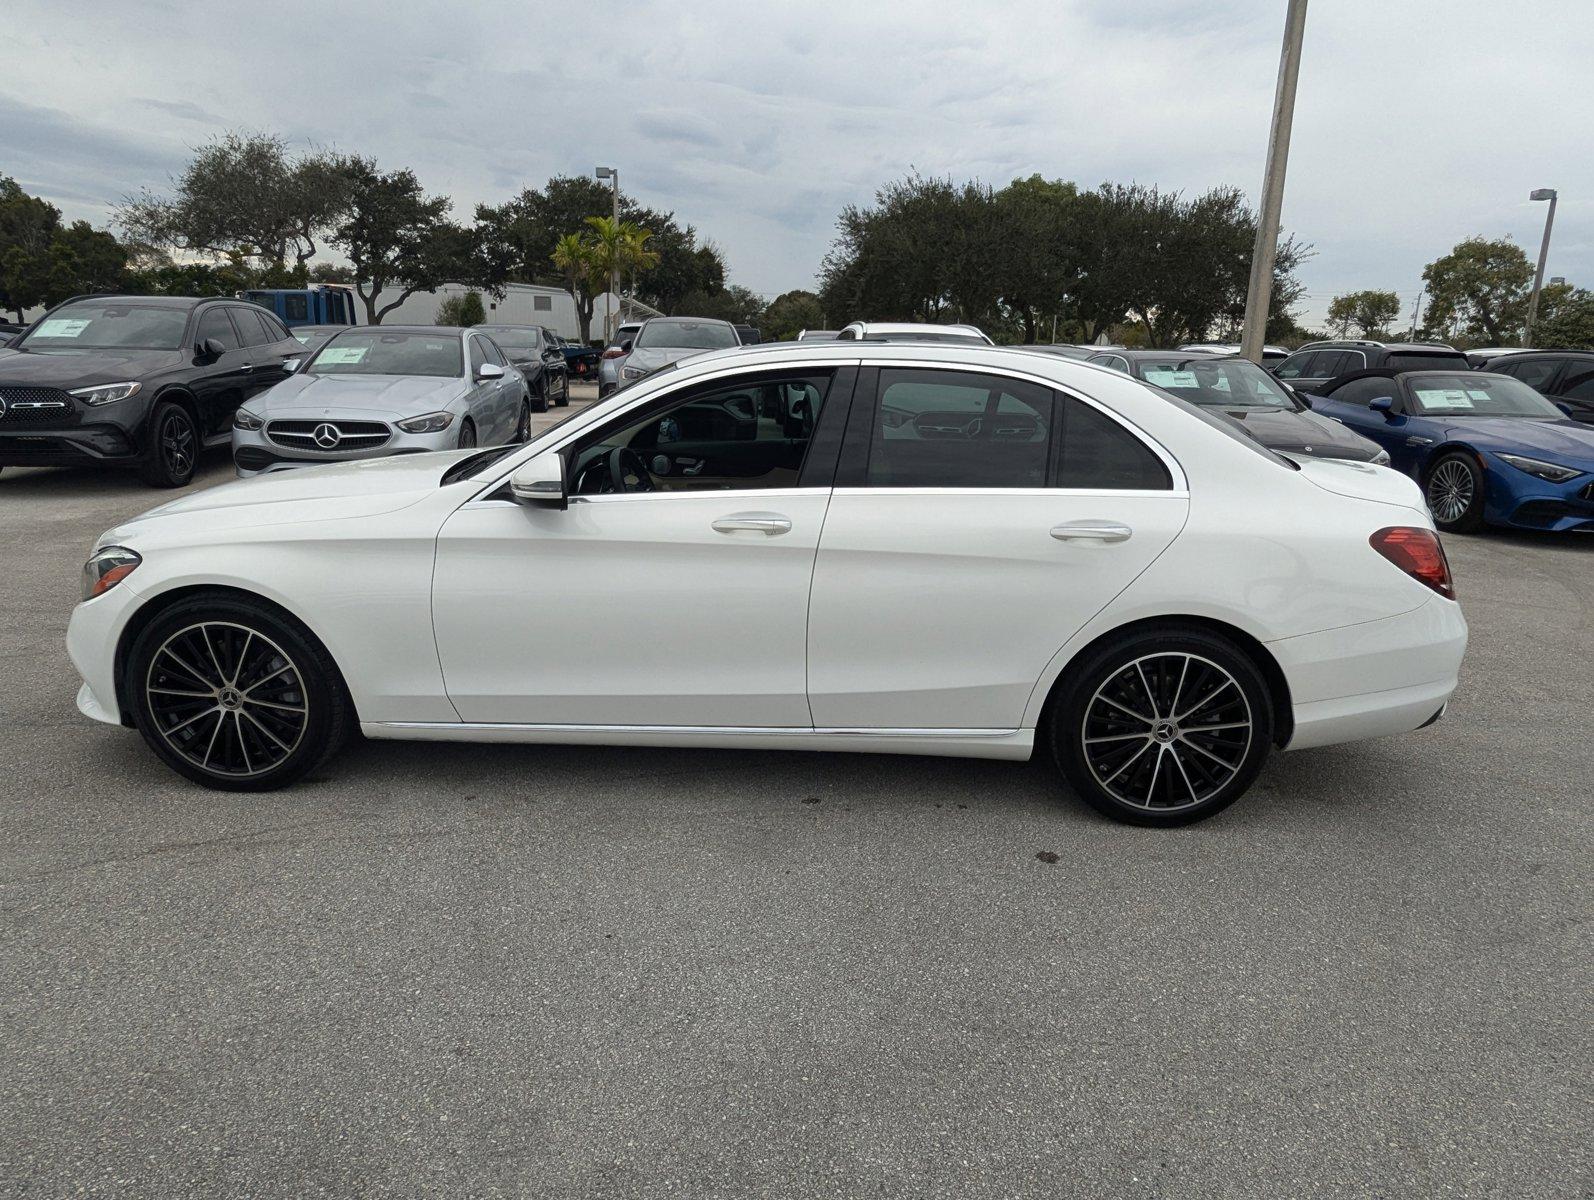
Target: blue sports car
1484 447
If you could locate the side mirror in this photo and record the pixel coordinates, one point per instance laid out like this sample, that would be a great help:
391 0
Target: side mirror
489 371
290 365
540 481
212 348
625 347
1566 408
1381 404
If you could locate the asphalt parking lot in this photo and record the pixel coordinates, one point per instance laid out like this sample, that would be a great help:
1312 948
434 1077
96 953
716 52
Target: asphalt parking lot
453 970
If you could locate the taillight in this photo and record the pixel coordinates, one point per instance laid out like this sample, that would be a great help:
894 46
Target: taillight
613 352
1417 552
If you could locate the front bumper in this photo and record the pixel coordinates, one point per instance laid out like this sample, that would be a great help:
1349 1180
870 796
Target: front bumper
92 635
1513 497
1375 678
255 452
83 445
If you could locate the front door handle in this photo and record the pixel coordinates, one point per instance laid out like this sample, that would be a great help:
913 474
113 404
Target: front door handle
770 524
1092 531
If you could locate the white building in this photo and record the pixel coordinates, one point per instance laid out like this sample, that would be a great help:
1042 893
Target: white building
521 304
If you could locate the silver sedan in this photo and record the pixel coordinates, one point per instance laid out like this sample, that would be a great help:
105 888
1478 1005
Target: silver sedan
380 390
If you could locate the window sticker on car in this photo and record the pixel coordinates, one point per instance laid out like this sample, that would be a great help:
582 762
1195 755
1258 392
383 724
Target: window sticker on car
344 354
62 327
1444 398
1477 395
1170 377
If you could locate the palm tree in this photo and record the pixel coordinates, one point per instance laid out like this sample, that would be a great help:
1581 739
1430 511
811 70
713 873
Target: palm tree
619 249
574 257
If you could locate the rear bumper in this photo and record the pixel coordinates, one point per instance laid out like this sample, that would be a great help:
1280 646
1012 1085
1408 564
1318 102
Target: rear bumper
1372 679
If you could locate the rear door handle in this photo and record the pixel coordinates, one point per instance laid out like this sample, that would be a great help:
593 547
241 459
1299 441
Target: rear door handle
770 524
1092 531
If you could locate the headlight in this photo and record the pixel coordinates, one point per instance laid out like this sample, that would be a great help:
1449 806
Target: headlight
106 393
1381 459
632 372
431 423
106 568
244 419
1551 472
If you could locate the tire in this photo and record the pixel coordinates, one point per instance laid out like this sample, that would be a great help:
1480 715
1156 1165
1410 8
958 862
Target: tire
1454 492
523 424
564 393
173 452
1148 769
539 396
187 683
467 434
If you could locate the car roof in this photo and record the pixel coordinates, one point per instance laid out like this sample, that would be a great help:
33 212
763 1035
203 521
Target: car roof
1367 344
689 321
1184 355
456 330
155 301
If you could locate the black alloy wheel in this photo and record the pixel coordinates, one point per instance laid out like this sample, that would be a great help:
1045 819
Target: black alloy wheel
1163 728
233 695
173 452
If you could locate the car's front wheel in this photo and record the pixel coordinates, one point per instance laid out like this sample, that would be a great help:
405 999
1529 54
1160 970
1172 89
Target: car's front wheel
467 434
1162 727
1455 493
539 396
523 426
173 451
233 694
564 392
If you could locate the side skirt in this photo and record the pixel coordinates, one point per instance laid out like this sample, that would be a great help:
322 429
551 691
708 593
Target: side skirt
1014 744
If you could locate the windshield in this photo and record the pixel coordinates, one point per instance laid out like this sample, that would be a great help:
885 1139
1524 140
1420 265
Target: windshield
1218 383
106 325
686 335
1476 394
515 339
377 353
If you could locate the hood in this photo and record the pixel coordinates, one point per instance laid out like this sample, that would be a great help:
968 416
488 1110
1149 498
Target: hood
340 395
333 491
68 369
654 357
1566 441
1302 433
1362 481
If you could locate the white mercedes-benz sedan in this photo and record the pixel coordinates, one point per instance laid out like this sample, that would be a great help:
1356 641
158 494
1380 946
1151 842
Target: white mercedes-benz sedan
919 549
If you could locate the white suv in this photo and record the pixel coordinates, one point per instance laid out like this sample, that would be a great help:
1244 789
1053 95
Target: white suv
905 331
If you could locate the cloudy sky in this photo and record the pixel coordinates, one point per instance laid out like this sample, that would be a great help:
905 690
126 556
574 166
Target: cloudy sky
1419 122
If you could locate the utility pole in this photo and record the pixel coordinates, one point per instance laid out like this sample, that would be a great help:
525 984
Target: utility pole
613 175
1544 252
1259 295
1415 309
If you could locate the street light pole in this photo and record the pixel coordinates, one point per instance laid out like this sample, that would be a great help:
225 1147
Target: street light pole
613 176
1259 294
1544 252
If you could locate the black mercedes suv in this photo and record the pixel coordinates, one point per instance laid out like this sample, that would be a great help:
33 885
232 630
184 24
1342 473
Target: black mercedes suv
137 381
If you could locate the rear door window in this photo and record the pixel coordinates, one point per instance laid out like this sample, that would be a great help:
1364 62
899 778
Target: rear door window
252 325
1099 453
959 429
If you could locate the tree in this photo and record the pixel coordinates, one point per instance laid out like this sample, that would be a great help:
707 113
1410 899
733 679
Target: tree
464 311
1566 320
790 313
1039 254
84 259
736 304
572 256
246 193
1481 289
28 226
1370 312
395 236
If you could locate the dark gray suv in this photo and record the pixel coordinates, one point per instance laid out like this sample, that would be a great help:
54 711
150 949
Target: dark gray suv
1316 363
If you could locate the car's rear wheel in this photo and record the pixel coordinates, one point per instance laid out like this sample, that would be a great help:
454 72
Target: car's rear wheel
523 426
1162 727
173 451
231 694
1455 493
467 434
564 392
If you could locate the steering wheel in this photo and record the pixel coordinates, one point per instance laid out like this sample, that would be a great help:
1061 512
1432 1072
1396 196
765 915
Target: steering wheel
628 472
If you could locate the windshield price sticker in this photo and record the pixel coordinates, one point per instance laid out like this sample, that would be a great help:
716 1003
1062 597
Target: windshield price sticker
1170 378
1448 398
62 328
343 354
